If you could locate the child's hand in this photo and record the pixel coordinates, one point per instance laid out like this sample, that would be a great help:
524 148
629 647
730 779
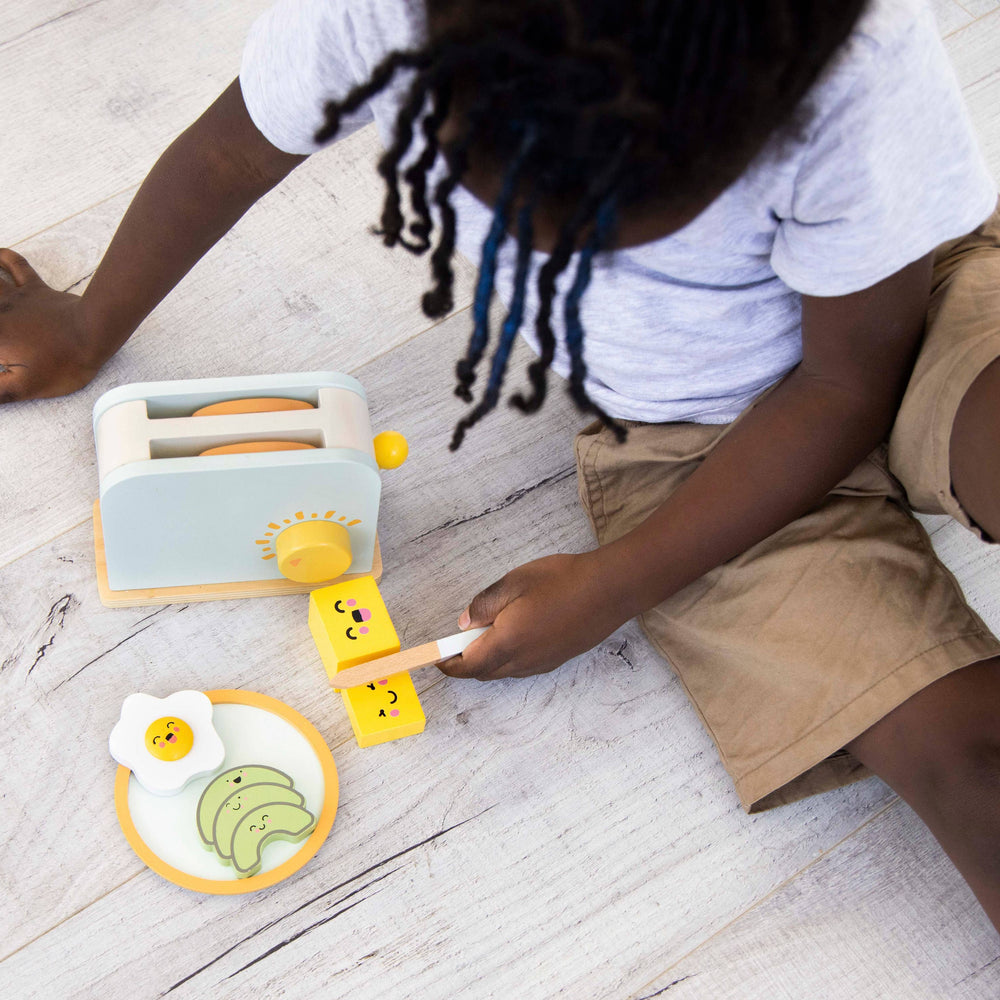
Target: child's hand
45 348
543 614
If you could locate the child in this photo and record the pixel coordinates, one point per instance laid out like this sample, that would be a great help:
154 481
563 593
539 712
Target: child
782 189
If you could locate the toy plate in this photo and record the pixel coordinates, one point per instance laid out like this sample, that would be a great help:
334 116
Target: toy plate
255 729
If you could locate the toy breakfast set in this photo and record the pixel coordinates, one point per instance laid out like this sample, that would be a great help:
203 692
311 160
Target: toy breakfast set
226 488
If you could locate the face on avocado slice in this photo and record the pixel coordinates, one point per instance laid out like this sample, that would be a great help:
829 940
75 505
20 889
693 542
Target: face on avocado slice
223 785
246 800
265 823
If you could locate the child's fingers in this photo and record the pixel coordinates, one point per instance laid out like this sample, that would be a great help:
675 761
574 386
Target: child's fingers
462 668
17 267
486 656
483 660
487 604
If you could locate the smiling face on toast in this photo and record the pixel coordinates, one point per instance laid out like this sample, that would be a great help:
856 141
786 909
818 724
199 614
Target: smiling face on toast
356 616
350 623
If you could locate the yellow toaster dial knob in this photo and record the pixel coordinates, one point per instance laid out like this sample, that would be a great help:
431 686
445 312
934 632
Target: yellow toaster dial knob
313 551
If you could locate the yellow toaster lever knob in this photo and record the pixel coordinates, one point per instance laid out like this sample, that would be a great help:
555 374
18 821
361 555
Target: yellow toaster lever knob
313 551
391 449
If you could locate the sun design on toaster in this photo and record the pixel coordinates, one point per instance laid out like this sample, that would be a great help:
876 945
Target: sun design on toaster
277 526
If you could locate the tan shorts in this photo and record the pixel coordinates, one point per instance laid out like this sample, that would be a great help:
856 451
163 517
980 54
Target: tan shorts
796 647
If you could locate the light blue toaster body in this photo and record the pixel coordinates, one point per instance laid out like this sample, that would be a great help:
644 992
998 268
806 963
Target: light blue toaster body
173 517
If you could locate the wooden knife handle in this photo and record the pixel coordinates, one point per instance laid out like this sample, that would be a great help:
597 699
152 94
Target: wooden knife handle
405 659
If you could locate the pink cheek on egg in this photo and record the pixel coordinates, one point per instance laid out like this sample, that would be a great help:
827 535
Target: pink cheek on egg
363 630
395 711
384 682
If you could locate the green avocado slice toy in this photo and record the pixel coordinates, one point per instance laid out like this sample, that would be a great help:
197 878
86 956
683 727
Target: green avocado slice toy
223 785
279 820
237 805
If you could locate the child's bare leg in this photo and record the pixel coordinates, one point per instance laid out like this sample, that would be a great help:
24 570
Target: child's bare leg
940 750
975 450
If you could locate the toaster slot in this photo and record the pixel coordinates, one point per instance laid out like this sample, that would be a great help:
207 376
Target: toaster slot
217 402
253 404
198 416
250 447
206 444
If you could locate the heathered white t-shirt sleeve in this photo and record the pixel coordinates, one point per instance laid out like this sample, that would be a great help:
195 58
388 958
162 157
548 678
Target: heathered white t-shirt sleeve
891 168
299 54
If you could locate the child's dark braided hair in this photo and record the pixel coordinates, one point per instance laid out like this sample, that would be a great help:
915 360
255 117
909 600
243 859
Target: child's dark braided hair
587 108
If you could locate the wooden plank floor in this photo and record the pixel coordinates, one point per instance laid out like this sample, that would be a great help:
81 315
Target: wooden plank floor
570 835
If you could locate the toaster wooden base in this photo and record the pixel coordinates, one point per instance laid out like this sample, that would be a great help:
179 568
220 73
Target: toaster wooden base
203 591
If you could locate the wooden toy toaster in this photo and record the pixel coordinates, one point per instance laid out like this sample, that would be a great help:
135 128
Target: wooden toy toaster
231 487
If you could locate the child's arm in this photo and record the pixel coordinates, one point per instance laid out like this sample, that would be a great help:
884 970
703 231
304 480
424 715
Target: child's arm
53 342
782 459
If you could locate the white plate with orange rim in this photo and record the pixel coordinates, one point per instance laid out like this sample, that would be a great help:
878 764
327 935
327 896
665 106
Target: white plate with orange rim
256 730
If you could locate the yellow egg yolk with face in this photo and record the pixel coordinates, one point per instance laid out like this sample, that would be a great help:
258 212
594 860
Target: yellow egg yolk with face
169 739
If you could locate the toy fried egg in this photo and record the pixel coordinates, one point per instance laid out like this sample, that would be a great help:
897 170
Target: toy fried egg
167 742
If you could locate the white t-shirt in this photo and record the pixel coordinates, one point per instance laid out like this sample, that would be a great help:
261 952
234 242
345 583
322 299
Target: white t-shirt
695 325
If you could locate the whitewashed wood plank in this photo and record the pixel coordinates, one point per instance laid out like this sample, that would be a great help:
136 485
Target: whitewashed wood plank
20 19
933 523
979 8
975 53
591 794
951 16
983 99
882 917
299 284
131 77
975 50
976 566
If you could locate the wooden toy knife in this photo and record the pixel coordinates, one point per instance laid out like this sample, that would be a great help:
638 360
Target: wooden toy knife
405 659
